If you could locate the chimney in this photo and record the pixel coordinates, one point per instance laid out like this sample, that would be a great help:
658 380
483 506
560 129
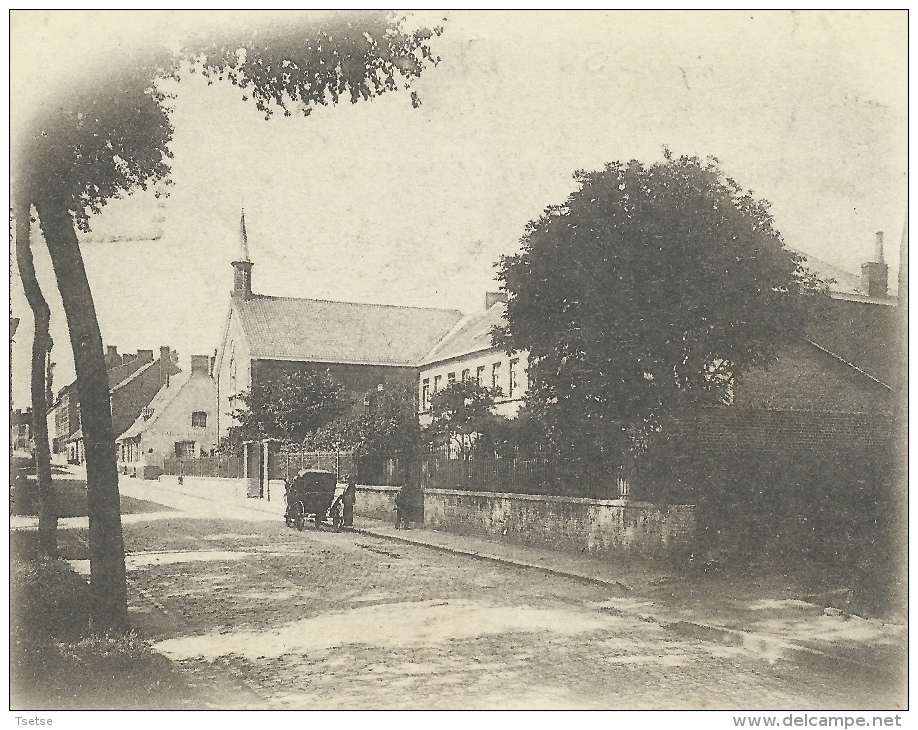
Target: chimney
493 297
875 274
242 277
200 364
165 364
112 358
145 356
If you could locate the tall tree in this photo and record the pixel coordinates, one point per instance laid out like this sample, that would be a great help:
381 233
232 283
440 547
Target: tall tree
99 140
41 349
648 292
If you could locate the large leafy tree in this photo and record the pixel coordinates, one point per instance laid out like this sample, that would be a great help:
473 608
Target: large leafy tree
102 138
646 294
286 407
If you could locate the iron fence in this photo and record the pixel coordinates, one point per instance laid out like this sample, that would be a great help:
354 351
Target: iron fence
518 475
226 467
522 475
285 464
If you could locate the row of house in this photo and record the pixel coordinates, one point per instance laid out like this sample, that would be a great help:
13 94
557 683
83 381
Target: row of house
158 411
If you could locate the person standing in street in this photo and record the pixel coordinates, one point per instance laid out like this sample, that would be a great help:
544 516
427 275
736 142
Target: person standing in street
349 500
401 508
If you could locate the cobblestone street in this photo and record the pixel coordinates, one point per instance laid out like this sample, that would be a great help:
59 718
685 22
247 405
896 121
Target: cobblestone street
268 617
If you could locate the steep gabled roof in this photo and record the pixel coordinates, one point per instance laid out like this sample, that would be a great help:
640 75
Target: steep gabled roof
472 334
316 330
163 398
844 281
867 335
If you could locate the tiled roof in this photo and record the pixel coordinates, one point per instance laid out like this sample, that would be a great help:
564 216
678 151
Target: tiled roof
315 330
845 282
163 397
472 334
124 371
865 334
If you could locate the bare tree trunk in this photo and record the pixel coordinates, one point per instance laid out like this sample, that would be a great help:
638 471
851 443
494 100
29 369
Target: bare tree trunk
41 344
106 542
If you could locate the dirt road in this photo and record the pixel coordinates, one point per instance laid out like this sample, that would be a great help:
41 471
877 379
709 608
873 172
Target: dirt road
283 619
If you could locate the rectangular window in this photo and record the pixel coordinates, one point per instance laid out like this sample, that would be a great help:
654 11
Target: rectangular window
199 419
479 375
495 376
184 449
425 394
450 378
466 375
512 385
438 383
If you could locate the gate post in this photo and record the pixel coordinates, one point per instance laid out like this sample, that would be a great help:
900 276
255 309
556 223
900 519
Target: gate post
264 471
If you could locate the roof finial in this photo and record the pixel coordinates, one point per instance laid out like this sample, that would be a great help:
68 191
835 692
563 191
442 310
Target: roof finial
244 252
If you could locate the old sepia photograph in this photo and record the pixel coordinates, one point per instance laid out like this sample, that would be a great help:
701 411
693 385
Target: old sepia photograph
459 360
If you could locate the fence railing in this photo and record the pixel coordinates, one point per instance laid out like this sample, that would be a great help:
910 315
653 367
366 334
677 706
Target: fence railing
286 464
519 475
227 467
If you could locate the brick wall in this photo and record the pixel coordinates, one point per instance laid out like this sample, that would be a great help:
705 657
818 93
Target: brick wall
739 428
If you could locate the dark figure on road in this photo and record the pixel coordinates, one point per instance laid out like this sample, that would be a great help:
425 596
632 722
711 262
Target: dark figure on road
350 499
401 508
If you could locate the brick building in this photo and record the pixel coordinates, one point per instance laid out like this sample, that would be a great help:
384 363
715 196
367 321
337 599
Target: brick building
362 346
21 430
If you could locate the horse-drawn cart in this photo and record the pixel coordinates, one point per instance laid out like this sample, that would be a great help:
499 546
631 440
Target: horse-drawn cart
314 494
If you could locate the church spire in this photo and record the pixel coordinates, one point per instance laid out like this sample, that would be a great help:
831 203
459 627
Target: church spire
244 251
242 278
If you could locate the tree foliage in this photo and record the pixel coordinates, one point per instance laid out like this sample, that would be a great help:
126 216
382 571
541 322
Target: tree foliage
463 415
286 407
295 61
386 426
648 292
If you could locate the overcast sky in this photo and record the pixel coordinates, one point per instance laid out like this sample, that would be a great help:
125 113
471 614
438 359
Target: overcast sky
380 202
